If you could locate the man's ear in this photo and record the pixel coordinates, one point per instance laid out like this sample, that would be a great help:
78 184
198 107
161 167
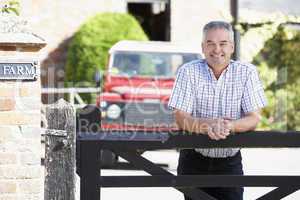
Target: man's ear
232 47
202 46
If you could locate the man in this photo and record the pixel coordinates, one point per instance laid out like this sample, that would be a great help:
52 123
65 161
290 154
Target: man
216 96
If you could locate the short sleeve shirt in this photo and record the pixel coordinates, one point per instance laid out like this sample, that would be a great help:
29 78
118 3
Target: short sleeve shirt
237 92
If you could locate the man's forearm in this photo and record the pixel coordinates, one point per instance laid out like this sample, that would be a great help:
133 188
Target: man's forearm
202 125
246 123
191 124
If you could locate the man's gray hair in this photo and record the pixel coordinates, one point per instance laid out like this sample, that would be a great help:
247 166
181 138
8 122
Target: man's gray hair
218 25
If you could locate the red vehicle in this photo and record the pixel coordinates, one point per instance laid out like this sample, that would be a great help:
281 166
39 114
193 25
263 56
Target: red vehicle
138 83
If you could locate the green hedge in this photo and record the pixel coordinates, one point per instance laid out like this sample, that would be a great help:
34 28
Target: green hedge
89 47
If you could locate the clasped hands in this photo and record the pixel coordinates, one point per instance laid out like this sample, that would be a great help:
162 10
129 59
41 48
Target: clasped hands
220 128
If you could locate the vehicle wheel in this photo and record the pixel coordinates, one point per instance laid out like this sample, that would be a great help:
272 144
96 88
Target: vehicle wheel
86 119
108 159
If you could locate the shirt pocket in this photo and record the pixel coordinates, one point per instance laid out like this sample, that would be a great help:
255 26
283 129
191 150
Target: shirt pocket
231 101
204 100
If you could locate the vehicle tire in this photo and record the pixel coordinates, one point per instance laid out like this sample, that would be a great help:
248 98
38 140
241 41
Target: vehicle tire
86 118
108 159
91 115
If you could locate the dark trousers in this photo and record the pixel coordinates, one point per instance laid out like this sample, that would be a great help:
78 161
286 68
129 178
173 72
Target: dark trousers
192 162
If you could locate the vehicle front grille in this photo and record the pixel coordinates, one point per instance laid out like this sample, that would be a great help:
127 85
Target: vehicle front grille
148 114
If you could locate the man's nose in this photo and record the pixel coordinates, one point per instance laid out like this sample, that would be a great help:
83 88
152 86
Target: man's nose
217 48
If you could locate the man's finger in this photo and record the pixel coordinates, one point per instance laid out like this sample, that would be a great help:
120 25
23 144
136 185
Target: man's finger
228 124
221 130
212 135
228 118
219 135
226 132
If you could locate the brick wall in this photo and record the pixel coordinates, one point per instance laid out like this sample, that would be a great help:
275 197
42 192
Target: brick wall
20 140
21 175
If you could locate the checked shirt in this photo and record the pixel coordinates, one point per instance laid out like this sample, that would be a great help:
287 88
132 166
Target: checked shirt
237 91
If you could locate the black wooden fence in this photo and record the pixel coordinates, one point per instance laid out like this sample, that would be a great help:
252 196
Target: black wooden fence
128 145
60 159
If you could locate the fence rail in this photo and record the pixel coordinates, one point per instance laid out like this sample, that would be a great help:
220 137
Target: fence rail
60 159
128 145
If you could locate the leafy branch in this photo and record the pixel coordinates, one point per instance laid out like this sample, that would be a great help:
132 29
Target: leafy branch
12 6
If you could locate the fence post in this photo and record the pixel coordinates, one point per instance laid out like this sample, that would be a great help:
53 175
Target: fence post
60 151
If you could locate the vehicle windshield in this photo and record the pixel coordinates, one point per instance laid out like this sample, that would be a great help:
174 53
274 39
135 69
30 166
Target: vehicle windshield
149 63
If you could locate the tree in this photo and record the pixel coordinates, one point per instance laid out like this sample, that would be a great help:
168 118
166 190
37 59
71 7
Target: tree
280 55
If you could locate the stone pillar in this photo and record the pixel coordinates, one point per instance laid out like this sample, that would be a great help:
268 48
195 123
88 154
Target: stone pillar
21 175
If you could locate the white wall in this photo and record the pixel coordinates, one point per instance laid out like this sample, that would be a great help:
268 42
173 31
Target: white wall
189 17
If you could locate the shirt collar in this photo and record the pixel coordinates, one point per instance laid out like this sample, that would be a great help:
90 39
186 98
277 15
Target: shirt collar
209 70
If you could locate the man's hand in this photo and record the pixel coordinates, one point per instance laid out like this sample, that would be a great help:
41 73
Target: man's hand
229 123
216 129
219 129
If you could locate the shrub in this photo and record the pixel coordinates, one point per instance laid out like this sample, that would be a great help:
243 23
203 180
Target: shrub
281 53
88 50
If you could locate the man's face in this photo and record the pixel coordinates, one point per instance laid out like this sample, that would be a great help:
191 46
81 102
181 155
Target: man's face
217 48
